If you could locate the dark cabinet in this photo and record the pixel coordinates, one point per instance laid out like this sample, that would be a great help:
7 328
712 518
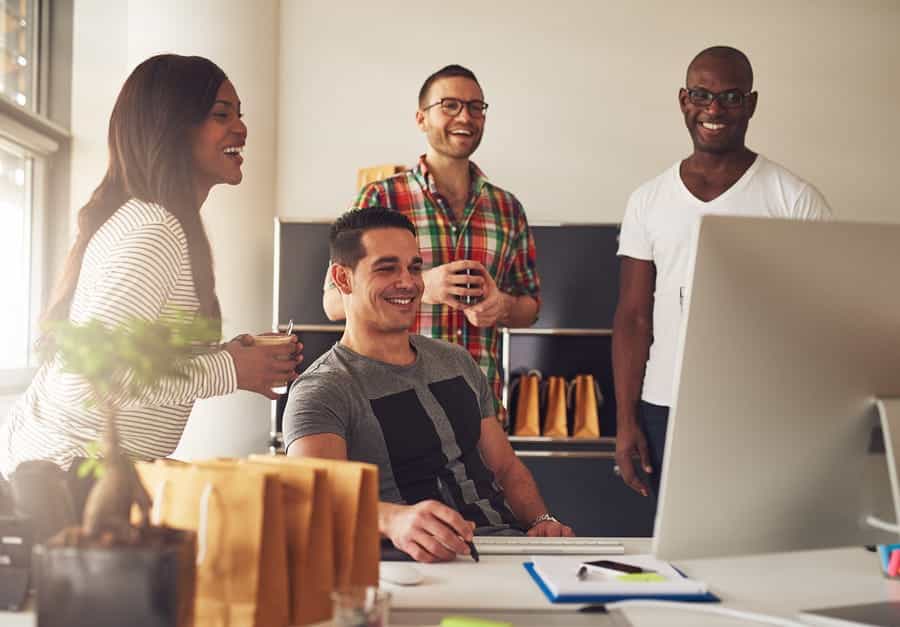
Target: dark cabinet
579 289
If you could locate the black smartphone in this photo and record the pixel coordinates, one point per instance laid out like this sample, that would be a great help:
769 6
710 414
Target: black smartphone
468 300
611 565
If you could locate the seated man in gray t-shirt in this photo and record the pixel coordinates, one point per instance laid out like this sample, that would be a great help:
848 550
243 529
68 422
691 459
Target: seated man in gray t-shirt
421 409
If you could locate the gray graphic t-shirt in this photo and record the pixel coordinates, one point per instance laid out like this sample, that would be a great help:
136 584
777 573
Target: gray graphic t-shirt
419 423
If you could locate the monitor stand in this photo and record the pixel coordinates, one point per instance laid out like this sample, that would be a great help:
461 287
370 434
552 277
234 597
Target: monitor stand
889 413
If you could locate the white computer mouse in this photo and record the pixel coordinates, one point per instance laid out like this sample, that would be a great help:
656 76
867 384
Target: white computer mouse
400 573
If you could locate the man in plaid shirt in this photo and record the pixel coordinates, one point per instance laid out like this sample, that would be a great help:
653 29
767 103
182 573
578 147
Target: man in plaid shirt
464 224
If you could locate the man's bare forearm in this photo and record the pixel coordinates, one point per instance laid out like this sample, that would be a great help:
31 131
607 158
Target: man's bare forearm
521 492
630 350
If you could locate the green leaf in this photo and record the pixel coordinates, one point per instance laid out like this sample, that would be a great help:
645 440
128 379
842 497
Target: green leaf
86 467
151 351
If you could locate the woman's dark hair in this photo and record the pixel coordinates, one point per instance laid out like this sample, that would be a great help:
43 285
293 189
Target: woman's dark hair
150 158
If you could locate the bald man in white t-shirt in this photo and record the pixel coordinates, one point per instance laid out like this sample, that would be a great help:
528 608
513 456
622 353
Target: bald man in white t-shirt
722 176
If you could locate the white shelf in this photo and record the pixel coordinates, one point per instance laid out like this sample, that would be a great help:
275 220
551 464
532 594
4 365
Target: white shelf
565 331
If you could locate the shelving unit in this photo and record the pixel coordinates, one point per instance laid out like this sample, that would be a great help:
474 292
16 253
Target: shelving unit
565 352
576 476
506 338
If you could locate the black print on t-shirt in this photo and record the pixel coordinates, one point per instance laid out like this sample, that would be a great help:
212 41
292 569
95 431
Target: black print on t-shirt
413 444
417 457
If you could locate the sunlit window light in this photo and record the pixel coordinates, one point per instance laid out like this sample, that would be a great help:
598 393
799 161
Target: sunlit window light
20 177
21 99
22 61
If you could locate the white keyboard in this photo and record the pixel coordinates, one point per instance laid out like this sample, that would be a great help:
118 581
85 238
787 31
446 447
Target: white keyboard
523 545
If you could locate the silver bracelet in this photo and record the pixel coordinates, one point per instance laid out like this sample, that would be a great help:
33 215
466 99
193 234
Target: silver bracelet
545 517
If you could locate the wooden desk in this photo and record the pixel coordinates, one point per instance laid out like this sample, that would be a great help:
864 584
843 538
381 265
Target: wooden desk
498 587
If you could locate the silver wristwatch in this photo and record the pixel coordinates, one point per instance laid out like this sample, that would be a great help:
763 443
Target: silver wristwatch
545 517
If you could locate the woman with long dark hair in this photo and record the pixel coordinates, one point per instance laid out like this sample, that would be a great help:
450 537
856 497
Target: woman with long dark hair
142 252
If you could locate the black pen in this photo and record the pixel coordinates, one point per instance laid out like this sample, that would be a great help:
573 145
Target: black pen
473 551
449 501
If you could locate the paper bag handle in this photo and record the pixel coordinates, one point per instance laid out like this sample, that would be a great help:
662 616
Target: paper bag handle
599 393
159 495
203 524
570 390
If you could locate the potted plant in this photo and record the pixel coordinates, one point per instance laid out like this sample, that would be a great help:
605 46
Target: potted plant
108 572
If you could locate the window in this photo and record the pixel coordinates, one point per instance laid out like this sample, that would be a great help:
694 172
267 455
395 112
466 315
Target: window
30 145
19 44
15 255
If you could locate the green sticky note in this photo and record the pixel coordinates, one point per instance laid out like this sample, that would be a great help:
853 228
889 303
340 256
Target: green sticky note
642 578
471 621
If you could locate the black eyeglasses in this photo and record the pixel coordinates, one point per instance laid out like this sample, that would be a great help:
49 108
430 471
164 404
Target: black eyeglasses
730 98
454 106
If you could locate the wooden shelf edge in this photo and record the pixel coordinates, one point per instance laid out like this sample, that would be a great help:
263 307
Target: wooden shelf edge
569 440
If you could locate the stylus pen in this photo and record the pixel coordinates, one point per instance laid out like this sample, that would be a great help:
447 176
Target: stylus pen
584 569
448 500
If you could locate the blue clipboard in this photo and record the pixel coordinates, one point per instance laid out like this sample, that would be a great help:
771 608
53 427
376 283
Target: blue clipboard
709 597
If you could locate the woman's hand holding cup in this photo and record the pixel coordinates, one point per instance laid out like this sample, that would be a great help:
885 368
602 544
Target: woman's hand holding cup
265 363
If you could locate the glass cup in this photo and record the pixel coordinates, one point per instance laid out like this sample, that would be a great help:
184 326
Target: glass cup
271 340
360 606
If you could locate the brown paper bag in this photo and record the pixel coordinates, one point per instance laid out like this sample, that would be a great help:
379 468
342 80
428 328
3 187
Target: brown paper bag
528 421
354 492
555 414
310 538
237 512
587 399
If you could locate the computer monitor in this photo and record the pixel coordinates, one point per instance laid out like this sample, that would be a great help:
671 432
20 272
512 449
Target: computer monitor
791 333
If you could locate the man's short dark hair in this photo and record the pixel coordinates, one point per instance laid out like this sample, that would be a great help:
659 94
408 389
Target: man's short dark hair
726 53
447 71
345 236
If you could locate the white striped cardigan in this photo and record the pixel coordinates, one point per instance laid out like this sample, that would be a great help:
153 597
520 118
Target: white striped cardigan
136 265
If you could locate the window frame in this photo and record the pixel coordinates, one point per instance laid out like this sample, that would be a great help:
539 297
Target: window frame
45 143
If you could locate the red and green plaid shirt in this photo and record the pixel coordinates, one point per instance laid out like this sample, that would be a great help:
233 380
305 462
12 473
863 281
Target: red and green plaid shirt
492 231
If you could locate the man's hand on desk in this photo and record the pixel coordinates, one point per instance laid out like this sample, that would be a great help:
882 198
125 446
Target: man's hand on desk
428 531
551 529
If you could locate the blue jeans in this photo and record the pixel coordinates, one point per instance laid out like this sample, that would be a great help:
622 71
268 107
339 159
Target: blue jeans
654 419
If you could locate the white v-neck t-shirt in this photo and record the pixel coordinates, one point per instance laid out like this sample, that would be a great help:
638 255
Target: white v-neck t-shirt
659 224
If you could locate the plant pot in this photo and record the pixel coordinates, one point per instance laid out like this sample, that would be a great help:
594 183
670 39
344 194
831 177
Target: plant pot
150 584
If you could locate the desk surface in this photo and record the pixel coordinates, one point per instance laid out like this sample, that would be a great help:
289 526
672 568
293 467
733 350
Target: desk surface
781 584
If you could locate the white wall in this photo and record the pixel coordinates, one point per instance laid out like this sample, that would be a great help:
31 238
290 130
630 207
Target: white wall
110 39
583 94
